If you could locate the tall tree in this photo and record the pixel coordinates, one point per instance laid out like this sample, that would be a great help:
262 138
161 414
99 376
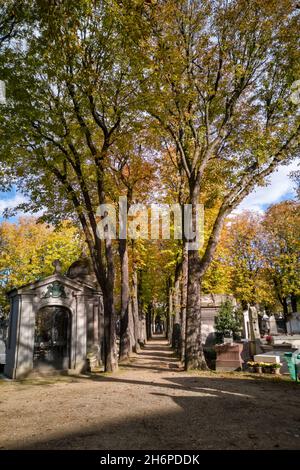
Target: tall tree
216 77
70 95
132 176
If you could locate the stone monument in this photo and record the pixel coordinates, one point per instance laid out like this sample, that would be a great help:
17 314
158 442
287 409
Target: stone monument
56 322
254 331
272 326
229 357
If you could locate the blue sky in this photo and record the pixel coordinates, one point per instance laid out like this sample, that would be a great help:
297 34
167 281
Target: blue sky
280 188
9 199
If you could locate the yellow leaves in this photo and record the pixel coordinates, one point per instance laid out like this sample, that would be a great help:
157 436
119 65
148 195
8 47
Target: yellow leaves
239 71
282 225
257 258
28 249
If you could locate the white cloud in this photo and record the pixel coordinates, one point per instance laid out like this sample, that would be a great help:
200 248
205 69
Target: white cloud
280 187
11 202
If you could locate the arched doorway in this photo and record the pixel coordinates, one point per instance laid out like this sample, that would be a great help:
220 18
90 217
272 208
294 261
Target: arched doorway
52 337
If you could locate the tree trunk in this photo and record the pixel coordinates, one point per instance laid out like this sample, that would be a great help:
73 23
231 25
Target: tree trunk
149 322
125 343
294 303
105 280
131 326
170 314
135 310
110 348
110 334
176 334
142 323
194 356
141 309
285 306
183 300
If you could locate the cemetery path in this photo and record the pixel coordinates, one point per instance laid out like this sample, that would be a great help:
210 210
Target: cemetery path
151 403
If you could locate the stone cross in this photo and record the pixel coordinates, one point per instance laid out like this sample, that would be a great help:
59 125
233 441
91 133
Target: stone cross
57 266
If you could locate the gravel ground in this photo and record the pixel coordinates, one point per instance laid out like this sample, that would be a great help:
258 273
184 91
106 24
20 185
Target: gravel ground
151 404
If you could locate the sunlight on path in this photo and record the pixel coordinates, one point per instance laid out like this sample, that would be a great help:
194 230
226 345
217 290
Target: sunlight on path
151 403
156 355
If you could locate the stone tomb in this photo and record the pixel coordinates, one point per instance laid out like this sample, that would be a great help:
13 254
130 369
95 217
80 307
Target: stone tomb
273 357
210 305
55 323
293 324
229 357
270 356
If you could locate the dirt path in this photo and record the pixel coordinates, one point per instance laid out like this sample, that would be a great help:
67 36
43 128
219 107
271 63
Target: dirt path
150 404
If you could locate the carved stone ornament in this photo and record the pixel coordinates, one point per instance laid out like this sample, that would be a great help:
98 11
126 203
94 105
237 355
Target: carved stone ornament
55 290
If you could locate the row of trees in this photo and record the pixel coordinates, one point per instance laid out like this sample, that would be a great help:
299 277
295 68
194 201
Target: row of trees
107 97
262 257
257 262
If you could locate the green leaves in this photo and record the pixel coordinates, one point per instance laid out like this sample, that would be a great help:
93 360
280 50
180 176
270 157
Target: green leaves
227 321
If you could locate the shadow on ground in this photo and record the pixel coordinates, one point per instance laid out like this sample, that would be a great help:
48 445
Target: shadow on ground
151 405
205 413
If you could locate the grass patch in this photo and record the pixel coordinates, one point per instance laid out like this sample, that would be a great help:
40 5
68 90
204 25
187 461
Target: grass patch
244 375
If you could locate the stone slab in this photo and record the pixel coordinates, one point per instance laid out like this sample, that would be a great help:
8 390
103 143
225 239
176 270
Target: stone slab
270 356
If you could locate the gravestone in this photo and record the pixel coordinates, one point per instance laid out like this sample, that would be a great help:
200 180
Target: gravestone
293 324
273 357
273 326
246 328
254 330
229 357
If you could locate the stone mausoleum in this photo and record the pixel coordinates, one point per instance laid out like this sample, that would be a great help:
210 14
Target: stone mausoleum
210 305
55 323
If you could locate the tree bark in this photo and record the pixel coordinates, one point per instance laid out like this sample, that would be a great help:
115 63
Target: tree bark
131 326
294 303
149 322
110 350
110 334
135 310
183 299
170 319
125 342
142 323
176 333
285 306
141 309
194 356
